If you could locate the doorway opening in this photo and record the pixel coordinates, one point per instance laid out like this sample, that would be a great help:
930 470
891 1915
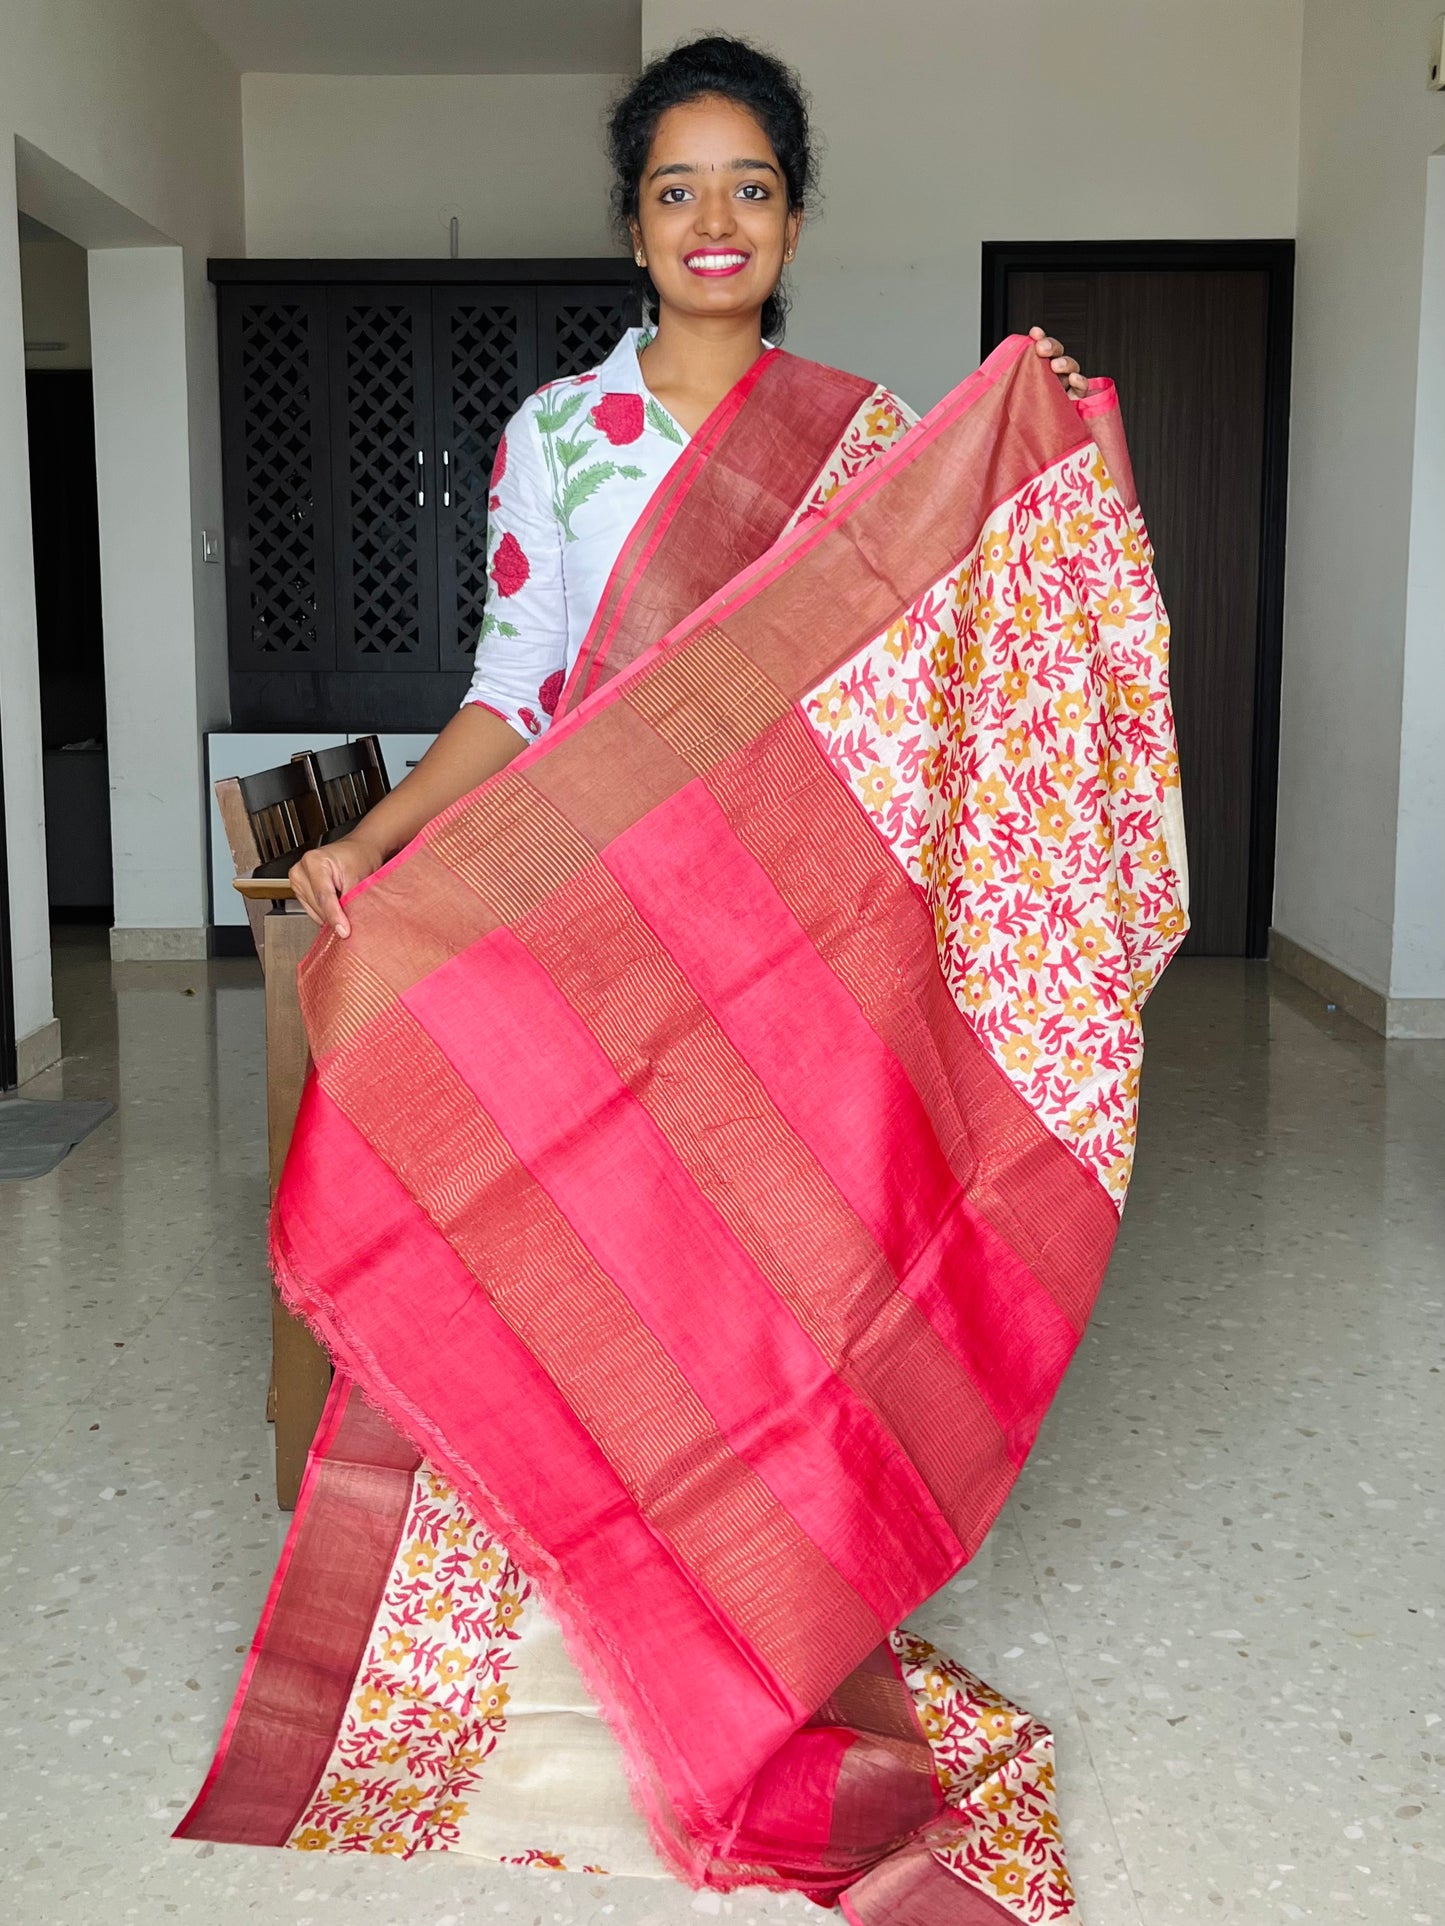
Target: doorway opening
54 284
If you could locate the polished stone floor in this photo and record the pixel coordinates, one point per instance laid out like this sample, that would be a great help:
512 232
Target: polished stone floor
1218 1577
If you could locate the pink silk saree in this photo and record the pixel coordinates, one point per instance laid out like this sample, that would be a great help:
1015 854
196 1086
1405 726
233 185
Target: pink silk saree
717 1137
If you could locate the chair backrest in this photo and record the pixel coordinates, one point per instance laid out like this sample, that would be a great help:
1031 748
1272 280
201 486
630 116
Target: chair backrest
284 807
350 779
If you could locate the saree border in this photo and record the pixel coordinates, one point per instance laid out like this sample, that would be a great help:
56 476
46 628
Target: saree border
817 401
657 516
295 1769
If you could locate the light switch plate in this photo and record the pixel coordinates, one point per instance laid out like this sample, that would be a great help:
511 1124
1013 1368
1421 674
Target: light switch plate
210 545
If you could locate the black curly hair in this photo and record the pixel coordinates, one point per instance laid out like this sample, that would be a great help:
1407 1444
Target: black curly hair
728 68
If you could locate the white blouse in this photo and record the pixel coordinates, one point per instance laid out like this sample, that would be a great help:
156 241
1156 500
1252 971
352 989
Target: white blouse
579 462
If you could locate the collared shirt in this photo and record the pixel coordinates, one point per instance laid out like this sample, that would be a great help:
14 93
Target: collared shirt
579 462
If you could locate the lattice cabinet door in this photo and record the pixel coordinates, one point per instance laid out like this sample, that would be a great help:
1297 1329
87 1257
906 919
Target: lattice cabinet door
384 473
579 326
279 584
485 358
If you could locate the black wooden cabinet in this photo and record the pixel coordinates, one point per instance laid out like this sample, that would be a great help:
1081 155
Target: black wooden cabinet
361 405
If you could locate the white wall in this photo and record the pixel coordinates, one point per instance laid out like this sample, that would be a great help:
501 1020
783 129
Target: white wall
1355 819
950 122
55 294
138 318
1417 958
126 124
345 164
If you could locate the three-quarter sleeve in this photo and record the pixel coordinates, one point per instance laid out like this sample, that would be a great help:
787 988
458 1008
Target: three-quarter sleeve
521 659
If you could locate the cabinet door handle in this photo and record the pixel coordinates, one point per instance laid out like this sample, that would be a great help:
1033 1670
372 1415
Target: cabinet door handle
446 478
420 479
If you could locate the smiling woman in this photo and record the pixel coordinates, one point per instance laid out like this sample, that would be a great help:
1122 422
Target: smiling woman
712 169
721 1113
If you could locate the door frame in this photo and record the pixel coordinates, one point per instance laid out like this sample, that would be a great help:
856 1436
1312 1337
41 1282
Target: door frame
9 1070
1276 260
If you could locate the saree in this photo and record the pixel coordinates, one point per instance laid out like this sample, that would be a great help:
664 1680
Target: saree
718 1131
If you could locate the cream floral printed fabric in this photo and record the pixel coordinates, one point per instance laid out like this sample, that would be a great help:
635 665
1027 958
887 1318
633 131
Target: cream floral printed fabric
469 1730
1056 898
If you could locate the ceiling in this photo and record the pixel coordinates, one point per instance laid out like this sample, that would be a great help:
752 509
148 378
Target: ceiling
426 36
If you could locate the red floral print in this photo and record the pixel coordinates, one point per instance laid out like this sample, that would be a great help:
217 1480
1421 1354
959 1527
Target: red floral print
510 567
1011 736
530 722
430 1703
880 422
550 692
499 466
619 417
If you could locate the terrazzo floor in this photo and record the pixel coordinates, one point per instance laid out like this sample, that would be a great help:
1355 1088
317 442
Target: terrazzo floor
1218 1577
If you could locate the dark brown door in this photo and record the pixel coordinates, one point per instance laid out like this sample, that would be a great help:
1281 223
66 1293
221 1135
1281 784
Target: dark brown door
1192 344
579 326
275 454
485 362
385 478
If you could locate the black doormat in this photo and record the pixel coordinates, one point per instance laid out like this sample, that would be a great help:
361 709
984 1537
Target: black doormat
35 1137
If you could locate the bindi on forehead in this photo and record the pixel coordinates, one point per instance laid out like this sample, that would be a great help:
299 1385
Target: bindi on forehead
740 166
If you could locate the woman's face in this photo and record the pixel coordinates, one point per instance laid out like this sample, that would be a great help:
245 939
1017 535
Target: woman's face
713 224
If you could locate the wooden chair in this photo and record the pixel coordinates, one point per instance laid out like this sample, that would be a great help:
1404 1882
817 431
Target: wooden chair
286 812
270 819
350 779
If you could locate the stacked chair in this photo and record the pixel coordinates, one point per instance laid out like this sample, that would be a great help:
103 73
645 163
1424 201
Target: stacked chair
275 816
271 819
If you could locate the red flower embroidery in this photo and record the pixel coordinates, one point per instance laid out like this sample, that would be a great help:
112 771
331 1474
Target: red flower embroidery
550 692
619 417
530 721
510 567
499 466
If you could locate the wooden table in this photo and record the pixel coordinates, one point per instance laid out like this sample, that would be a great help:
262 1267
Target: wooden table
300 1368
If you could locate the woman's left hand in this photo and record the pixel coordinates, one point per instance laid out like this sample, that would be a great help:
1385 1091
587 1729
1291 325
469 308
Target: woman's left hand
1076 385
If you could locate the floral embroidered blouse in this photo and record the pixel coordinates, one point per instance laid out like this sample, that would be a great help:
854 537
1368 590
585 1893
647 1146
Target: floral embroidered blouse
579 462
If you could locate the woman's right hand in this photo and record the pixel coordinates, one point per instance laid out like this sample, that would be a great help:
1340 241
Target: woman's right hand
323 876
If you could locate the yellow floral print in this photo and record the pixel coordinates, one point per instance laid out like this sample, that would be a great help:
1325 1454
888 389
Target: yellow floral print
1048 871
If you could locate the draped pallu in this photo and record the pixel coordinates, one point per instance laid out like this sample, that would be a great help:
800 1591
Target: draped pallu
719 1127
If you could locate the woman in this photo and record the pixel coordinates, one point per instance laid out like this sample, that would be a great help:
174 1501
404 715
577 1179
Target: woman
720 1115
713 167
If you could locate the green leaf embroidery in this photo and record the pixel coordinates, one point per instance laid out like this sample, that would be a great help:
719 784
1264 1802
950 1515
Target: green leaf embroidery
549 420
492 626
571 485
584 485
662 422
